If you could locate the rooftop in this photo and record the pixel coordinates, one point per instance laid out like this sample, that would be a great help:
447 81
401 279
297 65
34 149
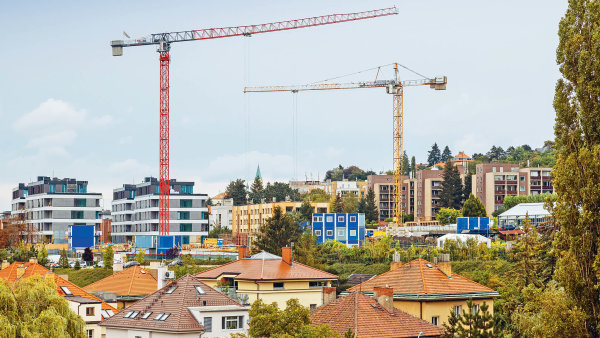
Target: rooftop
133 281
521 209
364 314
420 279
168 309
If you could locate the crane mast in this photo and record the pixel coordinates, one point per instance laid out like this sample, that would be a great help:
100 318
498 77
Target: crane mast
164 40
395 87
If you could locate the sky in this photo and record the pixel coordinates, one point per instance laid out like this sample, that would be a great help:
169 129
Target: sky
68 108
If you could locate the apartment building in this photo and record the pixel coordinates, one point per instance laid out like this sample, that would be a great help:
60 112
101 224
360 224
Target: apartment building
382 187
429 187
221 214
135 215
492 182
247 219
307 186
343 188
51 205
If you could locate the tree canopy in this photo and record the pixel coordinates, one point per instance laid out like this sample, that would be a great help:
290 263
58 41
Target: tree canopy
371 213
434 155
473 207
257 191
278 231
237 191
452 190
351 173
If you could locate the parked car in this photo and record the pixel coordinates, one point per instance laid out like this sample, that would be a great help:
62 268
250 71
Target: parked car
130 264
176 262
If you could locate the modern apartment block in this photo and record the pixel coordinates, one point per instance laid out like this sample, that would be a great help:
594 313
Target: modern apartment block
492 182
221 214
135 215
247 219
343 188
52 205
382 187
346 228
429 187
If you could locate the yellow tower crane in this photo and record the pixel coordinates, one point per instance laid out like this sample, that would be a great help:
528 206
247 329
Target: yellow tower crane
395 87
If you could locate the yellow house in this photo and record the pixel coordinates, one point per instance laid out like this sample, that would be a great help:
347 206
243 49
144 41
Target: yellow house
428 291
270 278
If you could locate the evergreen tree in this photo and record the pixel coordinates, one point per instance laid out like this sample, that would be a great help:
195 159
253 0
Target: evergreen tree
371 213
576 175
42 256
350 202
63 262
405 165
473 207
468 186
474 322
337 204
236 190
306 211
257 191
279 231
434 155
413 167
87 256
108 257
452 189
362 205
446 154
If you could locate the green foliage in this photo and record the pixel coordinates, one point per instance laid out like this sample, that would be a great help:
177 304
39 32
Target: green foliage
77 265
306 250
140 257
350 203
467 186
87 255
42 256
317 195
278 231
33 308
257 191
413 167
84 277
371 213
512 200
448 216
471 323
108 257
306 211
237 191
336 204
434 156
405 164
182 270
473 207
452 190
446 155
63 262
280 192
218 229
351 173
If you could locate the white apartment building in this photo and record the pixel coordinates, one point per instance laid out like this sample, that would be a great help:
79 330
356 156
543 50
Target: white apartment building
221 214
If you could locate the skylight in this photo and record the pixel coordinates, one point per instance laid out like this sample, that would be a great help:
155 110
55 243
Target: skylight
66 290
128 314
199 289
135 313
146 315
158 316
171 290
110 312
162 316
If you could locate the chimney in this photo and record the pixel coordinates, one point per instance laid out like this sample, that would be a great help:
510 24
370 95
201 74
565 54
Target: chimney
5 264
20 271
444 265
385 297
161 272
286 255
243 252
329 295
33 260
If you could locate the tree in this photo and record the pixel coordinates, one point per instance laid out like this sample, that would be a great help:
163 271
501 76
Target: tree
405 165
236 190
473 207
87 256
257 191
446 154
279 192
496 153
317 195
172 253
278 231
350 202
337 204
362 205
108 257
467 186
475 322
140 257
434 156
448 216
413 167
77 265
452 189
42 256
63 261
371 213
33 308
306 250
306 211
218 229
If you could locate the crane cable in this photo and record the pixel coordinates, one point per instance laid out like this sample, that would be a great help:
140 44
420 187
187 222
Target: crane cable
378 68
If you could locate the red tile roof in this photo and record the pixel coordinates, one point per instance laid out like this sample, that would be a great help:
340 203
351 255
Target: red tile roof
420 277
9 274
367 318
220 196
462 156
267 269
133 281
176 304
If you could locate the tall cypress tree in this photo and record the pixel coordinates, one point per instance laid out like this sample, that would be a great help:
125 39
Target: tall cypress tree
405 164
371 213
576 175
452 189
434 155
257 191
413 167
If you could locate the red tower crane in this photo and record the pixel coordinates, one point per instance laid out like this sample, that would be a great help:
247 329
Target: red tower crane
164 40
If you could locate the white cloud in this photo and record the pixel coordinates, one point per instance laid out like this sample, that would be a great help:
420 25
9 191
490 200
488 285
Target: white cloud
131 167
60 139
52 114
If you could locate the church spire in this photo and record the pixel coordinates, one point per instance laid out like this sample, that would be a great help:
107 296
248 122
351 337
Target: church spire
258 175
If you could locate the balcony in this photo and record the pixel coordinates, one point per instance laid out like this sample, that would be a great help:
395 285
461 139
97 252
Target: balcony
232 293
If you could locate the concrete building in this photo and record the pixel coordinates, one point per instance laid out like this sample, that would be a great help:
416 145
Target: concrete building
51 205
345 228
382 188
343 188
492 182
221 214
429 187
304 187
135 215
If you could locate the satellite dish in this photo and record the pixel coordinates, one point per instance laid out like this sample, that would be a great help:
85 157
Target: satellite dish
126 35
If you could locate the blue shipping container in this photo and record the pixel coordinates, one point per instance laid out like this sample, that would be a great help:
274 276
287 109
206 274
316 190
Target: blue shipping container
82 236
472 225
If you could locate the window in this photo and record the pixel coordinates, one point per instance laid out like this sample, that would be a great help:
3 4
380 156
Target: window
352 232
89 311
80 202
340 218
185 203
313 307
128 314
522 188
457 310
170 291
329 232
76 214
199 289
146 315
183 215
185 227
66 290
233 322
341 233
329 219
318 233
435 320
316 284
522 178
90 333
475 308
352 218
207 324
134 314
278 285
162 316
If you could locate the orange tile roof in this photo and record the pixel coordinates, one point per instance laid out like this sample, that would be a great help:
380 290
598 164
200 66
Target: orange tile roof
176 304
133 281
9 274
364 314
268 269
220 196
461 155
417 278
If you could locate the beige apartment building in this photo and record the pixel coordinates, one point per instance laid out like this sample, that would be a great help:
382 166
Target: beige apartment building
382 187
492 182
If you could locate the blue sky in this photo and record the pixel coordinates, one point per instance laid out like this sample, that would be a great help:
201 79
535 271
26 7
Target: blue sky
70 109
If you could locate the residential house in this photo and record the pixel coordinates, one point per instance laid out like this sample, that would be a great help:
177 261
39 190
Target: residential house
186 308
367 317
130 285
270 278
89 307
429 291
